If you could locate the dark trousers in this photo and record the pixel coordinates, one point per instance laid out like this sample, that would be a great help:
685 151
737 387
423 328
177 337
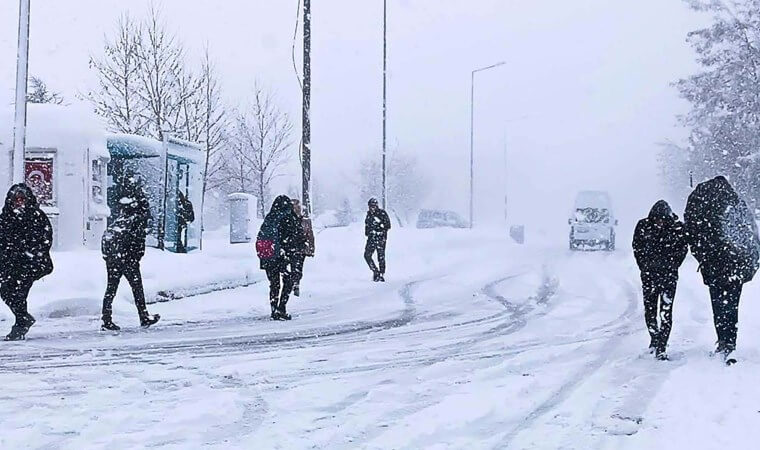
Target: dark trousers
725 305
659 293
280 283
180 246
14 293
130 271
296 268
375 243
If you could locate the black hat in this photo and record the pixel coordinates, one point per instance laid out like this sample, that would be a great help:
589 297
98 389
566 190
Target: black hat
372 202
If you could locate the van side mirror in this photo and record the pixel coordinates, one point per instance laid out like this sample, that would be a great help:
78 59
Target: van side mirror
569 221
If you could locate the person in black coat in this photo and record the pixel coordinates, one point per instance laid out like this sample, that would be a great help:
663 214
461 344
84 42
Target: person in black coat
723 238
376 227
185 215
25 240
660 247
123 246
280 238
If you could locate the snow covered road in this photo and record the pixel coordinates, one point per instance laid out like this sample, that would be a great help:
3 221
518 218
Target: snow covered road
473 343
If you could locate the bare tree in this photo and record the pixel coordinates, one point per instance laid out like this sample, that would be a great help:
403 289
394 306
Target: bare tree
407 186
165 84
213 126
259 148
38 92
117 98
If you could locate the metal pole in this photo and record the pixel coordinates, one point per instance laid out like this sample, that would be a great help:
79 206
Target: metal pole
385 89
22 68
472 146
472 137
306 126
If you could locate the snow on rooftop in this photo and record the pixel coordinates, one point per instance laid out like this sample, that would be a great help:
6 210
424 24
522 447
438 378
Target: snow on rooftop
66 128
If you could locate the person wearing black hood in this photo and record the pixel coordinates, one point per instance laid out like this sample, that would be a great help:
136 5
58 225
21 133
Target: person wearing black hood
723 238
660 247
279 238
376 227
123 246
25 240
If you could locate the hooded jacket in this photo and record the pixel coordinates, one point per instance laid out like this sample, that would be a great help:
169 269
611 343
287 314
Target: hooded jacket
659 241
124 240
280 235
26 237
722 233
377 223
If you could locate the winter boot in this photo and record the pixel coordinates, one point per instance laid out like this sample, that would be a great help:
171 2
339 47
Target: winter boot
148 320
108 325
282 313
275 313
729 358
17 334
652 345
381 277
376 276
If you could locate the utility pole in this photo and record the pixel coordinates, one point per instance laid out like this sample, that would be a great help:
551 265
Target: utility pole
472 137
385 90
306 125
22 68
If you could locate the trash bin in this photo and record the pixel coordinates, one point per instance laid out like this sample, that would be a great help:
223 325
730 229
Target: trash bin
242 214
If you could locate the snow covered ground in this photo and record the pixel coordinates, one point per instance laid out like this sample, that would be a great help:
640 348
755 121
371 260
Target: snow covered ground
474 342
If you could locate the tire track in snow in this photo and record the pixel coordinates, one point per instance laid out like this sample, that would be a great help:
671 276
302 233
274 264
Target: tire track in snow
515 317
569 386
209 347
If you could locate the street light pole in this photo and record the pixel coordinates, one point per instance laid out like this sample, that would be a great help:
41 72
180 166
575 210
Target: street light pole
306 118
22 68
472 137
385 90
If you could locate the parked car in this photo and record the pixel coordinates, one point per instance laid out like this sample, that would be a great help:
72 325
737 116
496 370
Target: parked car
430 218
593 222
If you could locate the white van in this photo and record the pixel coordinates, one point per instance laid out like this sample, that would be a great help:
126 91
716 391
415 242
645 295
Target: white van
592 222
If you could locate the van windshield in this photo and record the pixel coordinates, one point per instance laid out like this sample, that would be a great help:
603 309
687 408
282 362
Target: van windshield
592 215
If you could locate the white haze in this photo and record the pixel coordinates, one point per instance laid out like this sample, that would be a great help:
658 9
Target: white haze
581 103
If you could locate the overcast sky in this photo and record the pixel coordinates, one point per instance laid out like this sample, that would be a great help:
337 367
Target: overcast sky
583 100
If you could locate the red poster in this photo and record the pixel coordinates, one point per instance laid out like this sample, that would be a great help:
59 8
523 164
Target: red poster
39 177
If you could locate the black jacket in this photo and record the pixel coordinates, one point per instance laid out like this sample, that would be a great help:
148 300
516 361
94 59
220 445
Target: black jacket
124 240
25 238
722 233
659 241
377 223
283 228
185 212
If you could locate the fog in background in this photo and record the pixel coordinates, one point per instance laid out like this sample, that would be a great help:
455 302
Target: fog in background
582 102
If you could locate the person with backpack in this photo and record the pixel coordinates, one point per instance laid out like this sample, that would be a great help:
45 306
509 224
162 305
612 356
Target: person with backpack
276 243
723 238
304 248
185 216
26 237
660 247
123 246
376 227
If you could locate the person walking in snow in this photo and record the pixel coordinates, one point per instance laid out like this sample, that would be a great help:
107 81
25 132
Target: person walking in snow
278 239
305 246
376 227
123 246
25 240
723 238
660 247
